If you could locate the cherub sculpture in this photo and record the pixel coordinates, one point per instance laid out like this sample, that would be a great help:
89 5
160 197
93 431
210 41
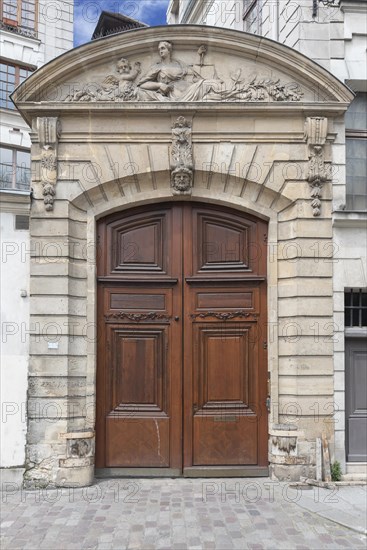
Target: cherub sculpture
119 86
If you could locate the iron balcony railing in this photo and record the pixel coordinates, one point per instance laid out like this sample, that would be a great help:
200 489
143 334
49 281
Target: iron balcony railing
18 29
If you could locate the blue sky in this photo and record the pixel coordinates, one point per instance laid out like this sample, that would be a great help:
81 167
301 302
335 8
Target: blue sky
87 12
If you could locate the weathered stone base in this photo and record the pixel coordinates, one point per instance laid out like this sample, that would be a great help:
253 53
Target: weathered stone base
75 477
291 472
39 478
290 458
76 470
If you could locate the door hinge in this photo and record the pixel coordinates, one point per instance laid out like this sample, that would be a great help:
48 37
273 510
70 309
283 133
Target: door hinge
268 403
265 345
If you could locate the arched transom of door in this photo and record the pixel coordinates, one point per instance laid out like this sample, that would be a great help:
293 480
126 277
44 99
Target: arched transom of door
182 365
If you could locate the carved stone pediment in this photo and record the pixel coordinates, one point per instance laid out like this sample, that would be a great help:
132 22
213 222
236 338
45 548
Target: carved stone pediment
172 79
164 66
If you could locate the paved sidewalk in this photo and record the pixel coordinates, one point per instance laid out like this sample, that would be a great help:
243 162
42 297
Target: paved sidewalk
176 514
343 505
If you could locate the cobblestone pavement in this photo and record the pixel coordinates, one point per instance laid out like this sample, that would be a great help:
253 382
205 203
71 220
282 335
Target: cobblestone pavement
169 513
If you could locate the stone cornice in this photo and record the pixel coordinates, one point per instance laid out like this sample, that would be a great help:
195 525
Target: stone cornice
349 218
331 109
15 202
353 6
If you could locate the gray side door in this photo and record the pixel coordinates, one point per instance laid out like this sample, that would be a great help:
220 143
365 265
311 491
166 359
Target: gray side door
356 399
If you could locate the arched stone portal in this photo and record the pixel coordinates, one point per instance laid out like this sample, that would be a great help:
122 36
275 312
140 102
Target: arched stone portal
217 117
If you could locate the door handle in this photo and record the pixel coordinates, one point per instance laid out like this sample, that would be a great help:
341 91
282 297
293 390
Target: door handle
177 318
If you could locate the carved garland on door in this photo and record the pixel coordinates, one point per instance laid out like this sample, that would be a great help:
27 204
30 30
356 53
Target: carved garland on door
137 317
224 316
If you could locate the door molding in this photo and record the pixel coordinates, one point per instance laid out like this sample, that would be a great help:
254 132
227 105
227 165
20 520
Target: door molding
355 389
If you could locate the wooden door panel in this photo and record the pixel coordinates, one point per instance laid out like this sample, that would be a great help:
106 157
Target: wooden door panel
224 392
139 301
137 442
227 300
134 303
138 402
137 245
224 440
138 377
222 357
224 243
139 353
225 339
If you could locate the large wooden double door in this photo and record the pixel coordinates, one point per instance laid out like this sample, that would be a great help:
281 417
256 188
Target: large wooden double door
182 366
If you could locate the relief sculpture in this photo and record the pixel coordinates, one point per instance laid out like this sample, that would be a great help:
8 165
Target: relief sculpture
49 129
181 155
172 80
316 129
118 87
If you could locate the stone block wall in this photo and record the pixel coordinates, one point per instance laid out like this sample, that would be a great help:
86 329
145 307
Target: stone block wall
63 360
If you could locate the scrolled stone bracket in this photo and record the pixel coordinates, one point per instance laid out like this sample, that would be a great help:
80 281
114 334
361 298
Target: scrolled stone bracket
181 157
49 131
316 129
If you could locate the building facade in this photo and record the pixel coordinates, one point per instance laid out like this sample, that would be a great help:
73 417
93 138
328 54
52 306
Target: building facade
32 32
182 278
334 34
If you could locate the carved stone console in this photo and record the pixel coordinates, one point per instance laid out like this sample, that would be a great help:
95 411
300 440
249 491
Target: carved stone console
49 130
315 133
181 157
